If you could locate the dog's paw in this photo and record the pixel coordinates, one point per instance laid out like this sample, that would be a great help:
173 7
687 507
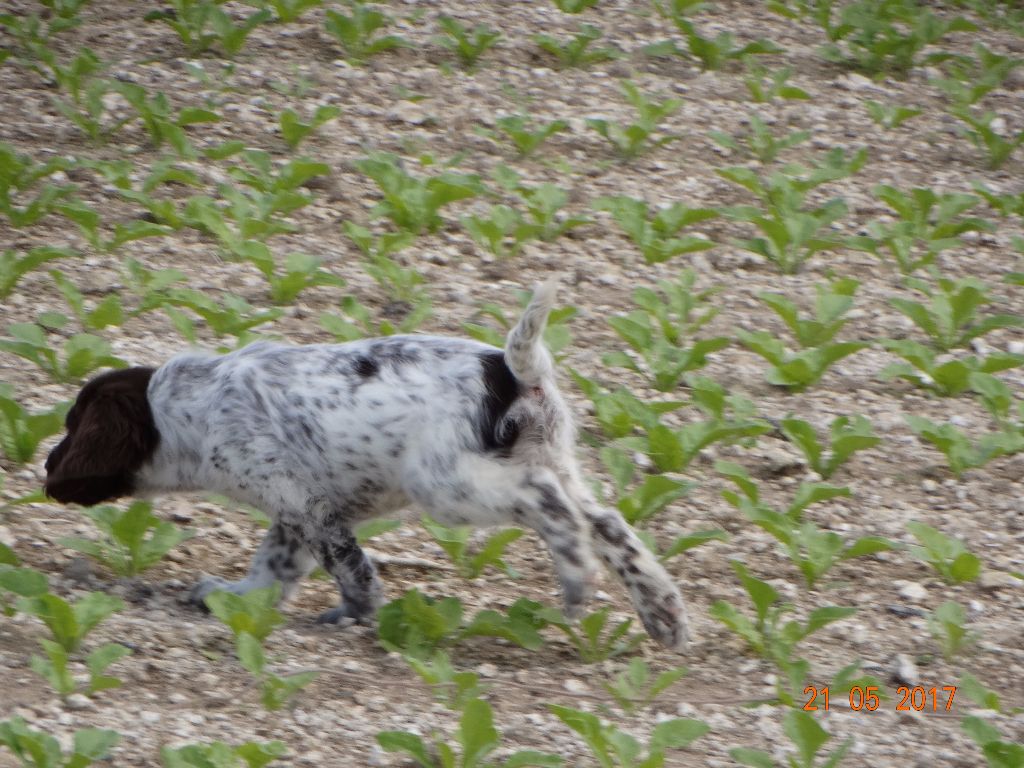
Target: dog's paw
205 587
344 616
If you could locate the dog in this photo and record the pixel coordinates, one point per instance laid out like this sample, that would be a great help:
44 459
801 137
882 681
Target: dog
324 436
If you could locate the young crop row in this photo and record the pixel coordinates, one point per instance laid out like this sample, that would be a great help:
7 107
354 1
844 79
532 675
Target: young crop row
645 448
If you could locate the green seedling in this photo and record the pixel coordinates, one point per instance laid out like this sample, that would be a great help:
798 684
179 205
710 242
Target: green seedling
998 399
976 691
807 735
149 285
884 36
468 44
104 313
119 173
948 377
452 687
220 755
69 623
86 108
760 142
20 202
543 205
1003 204
417 626
945 554
288 11
88 221
983 132
648 498
77 358
796 370
557 335
712 52
413 203
233 316
659 330
275 690
294 131
370 528
890 116
18 581
300 271
574 6
613 748
358 34
960 451
636 687
998 753
766 85
134 538
831 305
792 231
21 431
634 139
951 318
502 232
358 322
35 749
598 637
577 50
161 122
54 668
455 542
928 224
970 78
657 236
620 413
476 739
812 550
201 23
519 130
947 625
769 636
846 437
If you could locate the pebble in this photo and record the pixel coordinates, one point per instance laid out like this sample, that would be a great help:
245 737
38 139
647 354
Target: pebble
912 591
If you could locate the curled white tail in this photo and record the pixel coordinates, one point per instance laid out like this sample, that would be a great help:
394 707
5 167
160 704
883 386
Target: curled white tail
525 353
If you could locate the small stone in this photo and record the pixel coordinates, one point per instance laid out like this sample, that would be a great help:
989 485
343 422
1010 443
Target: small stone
912 591
995 580
487 670
904 670
572 685
78 701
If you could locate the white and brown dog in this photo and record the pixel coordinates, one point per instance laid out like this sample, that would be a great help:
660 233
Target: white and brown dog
324 436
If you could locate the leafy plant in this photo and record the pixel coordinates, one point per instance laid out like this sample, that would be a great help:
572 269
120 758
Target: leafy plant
301 271
712 52
945 554
69 623
635 687
527 139
984 133
621 413
476 737
791 229
928 224
636 138
798 370
597 639
451 686
574 6
808 736
468 44
502 232
233 316
768 85
106 312
960 451
613 748
17 580
220 755
80 79
413 203
358 34
577 50
455 542
543 215
37 749
294 131
22 431
54 668
949 377
946 624
890 115
656 235
846 437
80 355
161 122
760 141
647 498
19 175
1003 204
134 538
879 36
998 753
287 11
201 23
812 550
658 331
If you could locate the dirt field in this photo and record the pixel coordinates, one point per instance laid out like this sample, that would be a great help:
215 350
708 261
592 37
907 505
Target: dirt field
183 684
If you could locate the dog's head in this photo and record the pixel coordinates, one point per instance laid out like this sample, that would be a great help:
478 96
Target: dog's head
111 434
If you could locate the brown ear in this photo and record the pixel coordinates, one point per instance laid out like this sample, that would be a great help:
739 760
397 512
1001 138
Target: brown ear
111 434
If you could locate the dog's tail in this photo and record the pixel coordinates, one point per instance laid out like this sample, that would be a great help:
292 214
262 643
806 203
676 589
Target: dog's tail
525 353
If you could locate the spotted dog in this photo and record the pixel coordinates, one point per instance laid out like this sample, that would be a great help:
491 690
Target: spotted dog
322 437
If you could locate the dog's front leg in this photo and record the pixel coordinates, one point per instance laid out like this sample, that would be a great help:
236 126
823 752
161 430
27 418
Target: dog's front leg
282 557
341 556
